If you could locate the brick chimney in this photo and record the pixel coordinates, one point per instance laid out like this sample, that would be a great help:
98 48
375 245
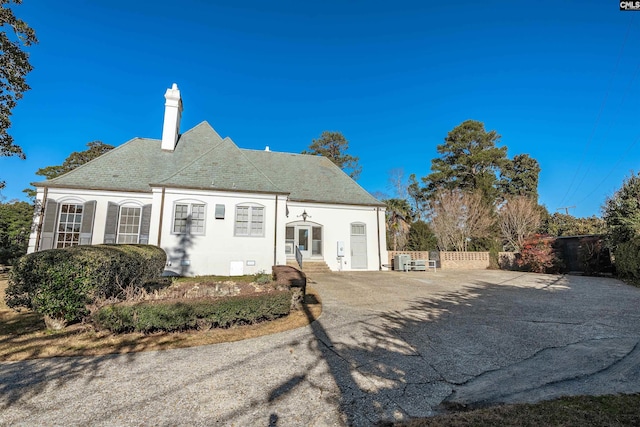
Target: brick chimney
172 114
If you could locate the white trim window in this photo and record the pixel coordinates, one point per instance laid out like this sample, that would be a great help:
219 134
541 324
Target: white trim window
188 218
129 224
69 223
249 221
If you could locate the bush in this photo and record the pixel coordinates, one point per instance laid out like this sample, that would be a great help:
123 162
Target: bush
627 260
59 283
538 255
621 213
594 256
171 316
262 278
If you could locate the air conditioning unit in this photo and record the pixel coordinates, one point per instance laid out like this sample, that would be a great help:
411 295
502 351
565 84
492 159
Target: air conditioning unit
402 262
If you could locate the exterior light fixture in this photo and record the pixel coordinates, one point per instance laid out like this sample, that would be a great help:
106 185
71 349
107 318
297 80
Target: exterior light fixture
304 215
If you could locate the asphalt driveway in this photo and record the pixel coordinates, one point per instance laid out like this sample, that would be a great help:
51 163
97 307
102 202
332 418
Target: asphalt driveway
387 346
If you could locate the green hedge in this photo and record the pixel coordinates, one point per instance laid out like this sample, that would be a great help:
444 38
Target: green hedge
151 316
627 260
60 283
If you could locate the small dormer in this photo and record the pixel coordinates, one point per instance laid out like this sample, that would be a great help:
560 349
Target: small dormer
172 114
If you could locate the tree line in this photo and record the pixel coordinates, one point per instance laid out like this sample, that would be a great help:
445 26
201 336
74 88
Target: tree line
474 198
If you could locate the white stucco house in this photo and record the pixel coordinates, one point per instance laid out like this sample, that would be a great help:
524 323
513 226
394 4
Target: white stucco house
213 207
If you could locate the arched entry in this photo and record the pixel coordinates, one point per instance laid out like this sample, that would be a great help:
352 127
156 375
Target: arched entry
307 236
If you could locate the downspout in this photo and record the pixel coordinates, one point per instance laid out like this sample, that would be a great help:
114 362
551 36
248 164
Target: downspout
161 216
41 218
379 250
275 235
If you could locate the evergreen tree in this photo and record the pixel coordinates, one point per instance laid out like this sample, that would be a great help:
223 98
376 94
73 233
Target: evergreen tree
15 35
519 177
621 212
15 227
75 159
469 161
334 146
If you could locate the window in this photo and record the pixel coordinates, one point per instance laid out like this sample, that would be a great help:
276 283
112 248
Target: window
316 241
69 225
129 225
289 243
188 218
358 229
249 221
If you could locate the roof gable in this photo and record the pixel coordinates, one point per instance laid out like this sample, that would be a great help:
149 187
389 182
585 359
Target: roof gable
204 160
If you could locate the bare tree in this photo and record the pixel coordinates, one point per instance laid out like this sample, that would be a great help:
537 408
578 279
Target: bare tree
397 183
457 217
518 219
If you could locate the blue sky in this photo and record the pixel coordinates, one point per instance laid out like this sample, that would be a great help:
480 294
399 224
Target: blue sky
558 80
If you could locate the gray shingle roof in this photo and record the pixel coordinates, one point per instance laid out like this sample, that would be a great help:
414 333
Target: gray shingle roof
310 178
203 160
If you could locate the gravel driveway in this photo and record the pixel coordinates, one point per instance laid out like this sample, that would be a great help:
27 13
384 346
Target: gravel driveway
387 346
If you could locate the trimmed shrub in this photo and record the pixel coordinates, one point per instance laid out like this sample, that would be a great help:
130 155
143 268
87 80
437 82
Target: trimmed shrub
168 316
627 260
59 283
538 255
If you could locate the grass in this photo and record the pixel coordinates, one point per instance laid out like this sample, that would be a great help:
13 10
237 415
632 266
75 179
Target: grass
575 411
23 334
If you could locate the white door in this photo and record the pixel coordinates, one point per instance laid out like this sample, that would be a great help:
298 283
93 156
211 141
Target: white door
358 246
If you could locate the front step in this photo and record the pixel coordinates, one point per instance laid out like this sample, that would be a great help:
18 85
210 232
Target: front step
311 266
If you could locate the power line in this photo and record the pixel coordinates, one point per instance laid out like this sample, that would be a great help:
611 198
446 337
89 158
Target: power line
602 105
616 115
614 168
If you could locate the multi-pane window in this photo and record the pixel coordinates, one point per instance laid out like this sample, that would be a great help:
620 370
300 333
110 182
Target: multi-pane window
316 241
129 225
69 225
289 243
249 221
358 230
189 218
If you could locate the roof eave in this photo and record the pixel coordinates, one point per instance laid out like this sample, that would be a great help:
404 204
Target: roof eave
92 188
230 190
379 204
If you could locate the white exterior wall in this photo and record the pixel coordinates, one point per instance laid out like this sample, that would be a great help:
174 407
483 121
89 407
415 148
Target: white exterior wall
216 250
102 199
336 223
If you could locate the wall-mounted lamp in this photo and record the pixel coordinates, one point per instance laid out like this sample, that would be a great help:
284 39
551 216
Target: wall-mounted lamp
304 215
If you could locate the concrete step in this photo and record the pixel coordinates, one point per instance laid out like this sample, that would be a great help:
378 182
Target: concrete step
311 266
